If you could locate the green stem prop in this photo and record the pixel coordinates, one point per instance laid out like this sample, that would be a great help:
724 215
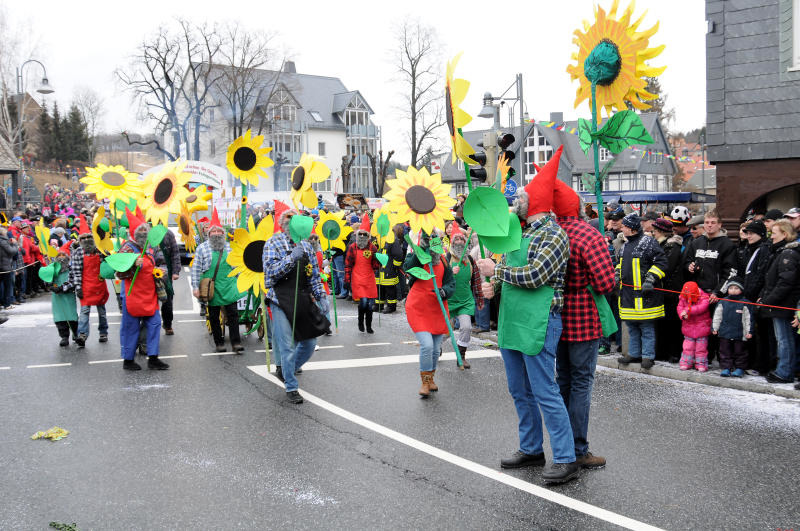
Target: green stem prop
264 317
446 319
333 287
598 182
296 287
138 268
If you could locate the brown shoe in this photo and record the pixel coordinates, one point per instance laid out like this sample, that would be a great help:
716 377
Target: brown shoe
169 332
591 462
427 378
432 385
463 351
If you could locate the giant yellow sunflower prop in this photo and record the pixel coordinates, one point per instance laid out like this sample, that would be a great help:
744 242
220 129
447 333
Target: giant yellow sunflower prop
332 230
420 198
197 200
612 54
245 256
309 171
43 234
246 158
455 91
112 183
164 191
383 221
186 228
101 232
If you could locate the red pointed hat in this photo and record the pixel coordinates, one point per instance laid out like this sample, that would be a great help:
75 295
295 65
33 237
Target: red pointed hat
204 219
540 189
84 226
456 231
133 221
565 201
280 208
365 224
215 219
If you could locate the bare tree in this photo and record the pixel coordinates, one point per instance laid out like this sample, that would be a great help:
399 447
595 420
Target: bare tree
379 167
418 62
92 109
347 164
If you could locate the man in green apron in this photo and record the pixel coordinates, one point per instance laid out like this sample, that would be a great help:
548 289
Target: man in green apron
532 283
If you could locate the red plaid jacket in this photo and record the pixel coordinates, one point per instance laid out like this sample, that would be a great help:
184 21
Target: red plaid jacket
589 264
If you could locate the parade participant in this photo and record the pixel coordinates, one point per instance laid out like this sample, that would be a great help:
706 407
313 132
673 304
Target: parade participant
210 261
30 256
641 265
359 274
423 313
389 276
468 294
589 266
90 288
532 283
324 270
282 259
170 250
140 306
65 315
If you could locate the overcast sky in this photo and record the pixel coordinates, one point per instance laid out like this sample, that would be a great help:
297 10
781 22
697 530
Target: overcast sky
81 43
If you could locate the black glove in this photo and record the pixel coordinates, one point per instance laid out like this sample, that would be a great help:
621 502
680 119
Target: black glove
648 285
298 253
79 293
55 289
442 294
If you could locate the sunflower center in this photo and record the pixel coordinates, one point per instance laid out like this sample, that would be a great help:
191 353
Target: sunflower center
244 158
163 192
331 230
183 223
191 198
448 111
298 175
603 64
420 199
252 256
112 178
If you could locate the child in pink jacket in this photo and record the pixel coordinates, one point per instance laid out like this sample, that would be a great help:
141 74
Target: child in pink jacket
696 327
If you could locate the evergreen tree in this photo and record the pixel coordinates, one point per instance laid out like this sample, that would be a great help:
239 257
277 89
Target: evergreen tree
56 149
45 135
76 139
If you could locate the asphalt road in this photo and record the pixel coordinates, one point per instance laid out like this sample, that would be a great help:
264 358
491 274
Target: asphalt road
213 443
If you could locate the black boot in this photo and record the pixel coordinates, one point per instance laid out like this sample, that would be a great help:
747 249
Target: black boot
369 322
64 342
463 351
360 319
154 363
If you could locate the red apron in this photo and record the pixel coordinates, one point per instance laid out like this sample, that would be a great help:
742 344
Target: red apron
143 300
362 278
422 308
95 292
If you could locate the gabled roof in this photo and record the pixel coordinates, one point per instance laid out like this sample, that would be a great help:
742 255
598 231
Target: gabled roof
341 101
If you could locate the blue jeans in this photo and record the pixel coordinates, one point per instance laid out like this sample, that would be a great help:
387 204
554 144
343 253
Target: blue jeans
429 345
532 384
102 325
642 341
129 330
785 337
575 365
338 270
7 288
365 304
289 354
482 316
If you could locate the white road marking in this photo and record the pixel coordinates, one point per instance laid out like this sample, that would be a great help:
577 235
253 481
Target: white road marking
496 475
218 353
193 320
371 344
4 368
105 361
326 347
262 350
411 342
48 365
388 360
92 317
175 356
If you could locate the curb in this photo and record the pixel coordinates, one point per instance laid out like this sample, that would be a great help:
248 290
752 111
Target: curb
753 384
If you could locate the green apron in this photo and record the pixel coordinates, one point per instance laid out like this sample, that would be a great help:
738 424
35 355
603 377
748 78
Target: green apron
64 305
604 312
225 290
462 302
524 312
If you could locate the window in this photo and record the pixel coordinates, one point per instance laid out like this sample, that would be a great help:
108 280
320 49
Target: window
604 154
315 115
213 148
321 149
647 156
659 158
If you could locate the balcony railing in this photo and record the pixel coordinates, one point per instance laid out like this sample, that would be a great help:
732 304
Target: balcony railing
362 130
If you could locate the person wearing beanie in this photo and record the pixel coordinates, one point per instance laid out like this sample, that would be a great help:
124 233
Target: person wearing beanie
771 217
752 264
733 323
589 266
642 265
532 283
360 266
668 346
90 288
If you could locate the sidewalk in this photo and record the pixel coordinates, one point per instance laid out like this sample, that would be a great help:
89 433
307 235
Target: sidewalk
755 384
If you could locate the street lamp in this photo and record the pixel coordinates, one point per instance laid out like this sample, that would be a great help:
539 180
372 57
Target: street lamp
492 110
44 88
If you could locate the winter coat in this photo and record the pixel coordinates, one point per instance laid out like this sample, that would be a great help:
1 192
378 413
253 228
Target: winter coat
640 256
673 278
782 283
698 324
715 261
752 267
733 320
8 253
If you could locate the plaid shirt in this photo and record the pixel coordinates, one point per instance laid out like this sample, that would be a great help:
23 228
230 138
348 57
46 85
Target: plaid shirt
203 257
548 252
278 262
76 267
589 265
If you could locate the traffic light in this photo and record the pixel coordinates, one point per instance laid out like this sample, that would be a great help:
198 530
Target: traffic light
479 173
503 141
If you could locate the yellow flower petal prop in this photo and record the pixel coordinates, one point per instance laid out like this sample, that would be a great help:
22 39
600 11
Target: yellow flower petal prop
310 170
112 183
246 158
186 228
624 82
333 225
502 171
158 273
391 219
246 252
164 191
420 198
455 91
101 232
43 235
197 200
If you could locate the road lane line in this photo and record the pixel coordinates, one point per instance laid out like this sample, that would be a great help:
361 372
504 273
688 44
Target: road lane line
192 320
218 353
352 363
4 368
92 317
371 344
116 360
174 356
263 351
48 365
490 473
326 347
411 342
195 302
